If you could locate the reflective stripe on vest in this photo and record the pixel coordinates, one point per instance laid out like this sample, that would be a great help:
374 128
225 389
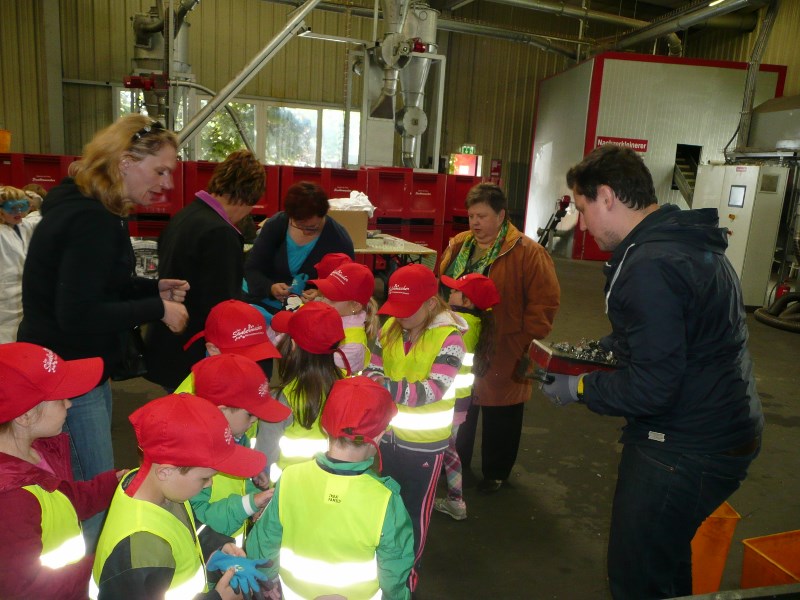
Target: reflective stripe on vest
428 423
128 516
331 530
298 444
62 542
288 593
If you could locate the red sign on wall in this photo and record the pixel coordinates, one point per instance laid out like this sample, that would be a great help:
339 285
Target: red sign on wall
633 144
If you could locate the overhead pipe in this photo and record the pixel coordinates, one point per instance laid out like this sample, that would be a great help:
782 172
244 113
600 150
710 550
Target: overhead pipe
678 23
461 26
578 12
752 73
233 87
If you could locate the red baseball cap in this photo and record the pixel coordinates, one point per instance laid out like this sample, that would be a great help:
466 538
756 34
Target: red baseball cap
357 408
409 288
316 327
189 431
329 262
350 281
31 374
480 290
235 327
236 381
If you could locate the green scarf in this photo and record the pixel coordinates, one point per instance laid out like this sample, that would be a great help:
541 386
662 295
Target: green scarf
461 264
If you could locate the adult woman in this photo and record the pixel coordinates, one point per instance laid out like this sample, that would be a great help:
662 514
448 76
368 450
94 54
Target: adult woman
289 246
529 296
79 294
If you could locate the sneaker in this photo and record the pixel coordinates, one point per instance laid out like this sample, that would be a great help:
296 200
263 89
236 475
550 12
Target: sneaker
455 508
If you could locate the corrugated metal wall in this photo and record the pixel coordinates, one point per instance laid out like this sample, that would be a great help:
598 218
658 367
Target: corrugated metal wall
490 84
781 48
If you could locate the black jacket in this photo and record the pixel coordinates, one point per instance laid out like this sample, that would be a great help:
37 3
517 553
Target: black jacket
79 293
268 262
201 247
675 305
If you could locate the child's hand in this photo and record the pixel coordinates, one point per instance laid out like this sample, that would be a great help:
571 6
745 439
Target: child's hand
232 549
262 498
261 481
223 587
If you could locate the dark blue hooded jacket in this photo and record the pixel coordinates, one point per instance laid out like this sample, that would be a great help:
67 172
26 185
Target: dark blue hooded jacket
678 329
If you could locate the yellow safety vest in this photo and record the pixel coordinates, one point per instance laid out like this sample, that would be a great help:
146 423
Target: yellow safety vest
357 335
62 541
297 444
128 516
429 423
465 378
331 529
222 486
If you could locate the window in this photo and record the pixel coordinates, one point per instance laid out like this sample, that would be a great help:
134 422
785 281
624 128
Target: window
280 134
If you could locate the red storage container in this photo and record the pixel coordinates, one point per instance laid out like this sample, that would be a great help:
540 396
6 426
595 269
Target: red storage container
584 247
197 174
389 190
146 227
429 236
174 197
457 188
291 175
427 197
47 170
344 181
451 229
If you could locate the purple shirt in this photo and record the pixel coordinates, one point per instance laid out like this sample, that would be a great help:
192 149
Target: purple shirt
218 208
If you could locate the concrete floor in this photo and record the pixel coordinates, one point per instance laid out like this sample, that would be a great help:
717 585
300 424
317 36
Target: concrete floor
544 535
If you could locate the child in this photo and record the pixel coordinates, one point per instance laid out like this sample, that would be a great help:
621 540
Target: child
417 356
17 223
349 289
334 528
42 552
329 262
239 388
149 547
473 297
307 371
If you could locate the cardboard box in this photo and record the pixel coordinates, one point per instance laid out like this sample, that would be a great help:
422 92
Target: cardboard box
355 222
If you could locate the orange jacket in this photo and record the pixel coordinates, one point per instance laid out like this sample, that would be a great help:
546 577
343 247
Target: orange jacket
529 297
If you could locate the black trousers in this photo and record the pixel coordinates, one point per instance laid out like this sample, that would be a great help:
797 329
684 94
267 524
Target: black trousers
500 435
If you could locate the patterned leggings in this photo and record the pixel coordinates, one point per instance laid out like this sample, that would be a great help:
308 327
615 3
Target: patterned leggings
452 469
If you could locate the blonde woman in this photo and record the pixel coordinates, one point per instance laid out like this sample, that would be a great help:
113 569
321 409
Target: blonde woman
79 292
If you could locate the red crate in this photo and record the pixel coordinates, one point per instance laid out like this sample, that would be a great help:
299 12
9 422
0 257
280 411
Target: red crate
452 229
429 236
584 247
174 197
428 196
197 174
291 175
389 190
146 227
5 169
344 181
46 170
457 188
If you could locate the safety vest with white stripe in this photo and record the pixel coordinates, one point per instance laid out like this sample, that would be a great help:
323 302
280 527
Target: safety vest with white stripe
429 424
62 541
465 378
331 529
222 486
127 516
297 444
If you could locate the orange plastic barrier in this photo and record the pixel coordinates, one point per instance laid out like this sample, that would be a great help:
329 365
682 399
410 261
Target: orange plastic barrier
710 548
771 560
5 140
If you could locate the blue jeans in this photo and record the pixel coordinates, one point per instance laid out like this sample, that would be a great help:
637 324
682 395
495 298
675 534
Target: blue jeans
661 499
89 427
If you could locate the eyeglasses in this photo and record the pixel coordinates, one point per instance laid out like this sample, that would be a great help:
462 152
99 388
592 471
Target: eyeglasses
154 126
15 207
307 230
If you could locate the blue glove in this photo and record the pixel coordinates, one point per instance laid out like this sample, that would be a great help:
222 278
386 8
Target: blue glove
563 389
247 576
298 283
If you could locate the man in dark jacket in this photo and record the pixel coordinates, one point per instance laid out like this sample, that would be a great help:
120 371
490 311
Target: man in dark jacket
203 244
685 379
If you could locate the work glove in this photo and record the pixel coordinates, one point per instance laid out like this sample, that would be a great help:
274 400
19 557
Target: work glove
562 389
247 577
